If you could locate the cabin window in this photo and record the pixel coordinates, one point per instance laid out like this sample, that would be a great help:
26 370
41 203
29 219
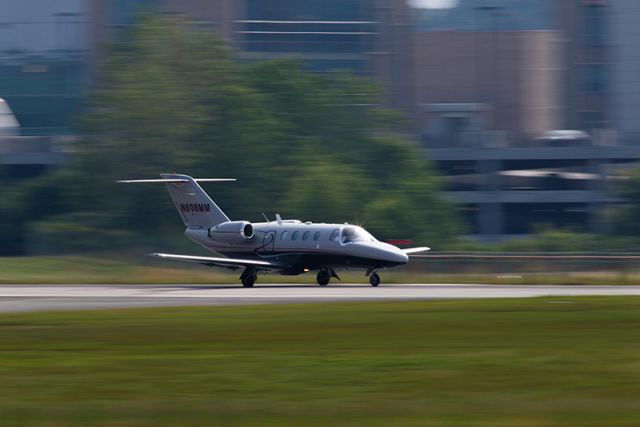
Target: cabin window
284 235
305 235
316 236
294 235
334 235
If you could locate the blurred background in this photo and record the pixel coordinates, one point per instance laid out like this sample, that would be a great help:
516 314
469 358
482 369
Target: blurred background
452 123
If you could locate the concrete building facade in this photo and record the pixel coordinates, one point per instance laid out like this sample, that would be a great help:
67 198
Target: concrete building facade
469 83
625 68
586 28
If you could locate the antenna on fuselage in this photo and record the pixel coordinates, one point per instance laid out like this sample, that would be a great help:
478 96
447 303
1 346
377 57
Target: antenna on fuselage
265 217
279 219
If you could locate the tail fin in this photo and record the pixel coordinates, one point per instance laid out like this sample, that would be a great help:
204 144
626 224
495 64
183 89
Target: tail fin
195 207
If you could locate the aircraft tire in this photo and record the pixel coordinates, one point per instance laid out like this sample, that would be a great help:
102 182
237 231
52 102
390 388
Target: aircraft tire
249 280
323 277
374 279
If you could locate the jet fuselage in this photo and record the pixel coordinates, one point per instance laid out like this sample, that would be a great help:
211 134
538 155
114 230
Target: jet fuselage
306 246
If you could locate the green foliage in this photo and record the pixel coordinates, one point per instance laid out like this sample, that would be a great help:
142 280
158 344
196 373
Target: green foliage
31 201
325 190
11 224
76 232
625 218
553 240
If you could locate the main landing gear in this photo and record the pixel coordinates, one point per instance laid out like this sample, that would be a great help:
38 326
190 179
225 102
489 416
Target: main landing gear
374 279
248 277
323 277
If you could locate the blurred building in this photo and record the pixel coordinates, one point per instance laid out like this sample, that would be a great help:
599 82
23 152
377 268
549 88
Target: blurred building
45 63
9 126
470 85
486 72
45 60
623 18
505 92
587 52
333 34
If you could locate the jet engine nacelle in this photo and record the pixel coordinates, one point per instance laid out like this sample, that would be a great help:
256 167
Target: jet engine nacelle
232 232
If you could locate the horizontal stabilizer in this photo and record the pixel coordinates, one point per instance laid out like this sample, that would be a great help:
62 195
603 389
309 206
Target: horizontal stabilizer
194 205
409 251
172 180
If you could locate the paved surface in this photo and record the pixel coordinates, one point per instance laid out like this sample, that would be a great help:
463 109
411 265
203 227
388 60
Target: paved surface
16 298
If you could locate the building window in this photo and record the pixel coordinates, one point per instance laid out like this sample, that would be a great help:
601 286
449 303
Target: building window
594 24
594 78
325 32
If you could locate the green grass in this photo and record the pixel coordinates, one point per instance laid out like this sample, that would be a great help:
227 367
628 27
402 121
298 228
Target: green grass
127 268
529 362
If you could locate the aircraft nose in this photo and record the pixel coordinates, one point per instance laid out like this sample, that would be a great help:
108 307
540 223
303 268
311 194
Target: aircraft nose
402 257
396 255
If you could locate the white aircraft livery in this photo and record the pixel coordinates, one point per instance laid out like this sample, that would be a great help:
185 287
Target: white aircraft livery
287 246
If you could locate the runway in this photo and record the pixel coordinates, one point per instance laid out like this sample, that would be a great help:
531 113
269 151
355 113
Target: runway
22 298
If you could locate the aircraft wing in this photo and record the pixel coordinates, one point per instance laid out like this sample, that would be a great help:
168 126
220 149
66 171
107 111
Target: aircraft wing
410 251
232 263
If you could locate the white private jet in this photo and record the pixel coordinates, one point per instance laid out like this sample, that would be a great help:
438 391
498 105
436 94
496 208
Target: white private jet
288 247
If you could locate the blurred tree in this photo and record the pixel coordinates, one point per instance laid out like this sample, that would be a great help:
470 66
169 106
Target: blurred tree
33 200
625 218
171 98
325 190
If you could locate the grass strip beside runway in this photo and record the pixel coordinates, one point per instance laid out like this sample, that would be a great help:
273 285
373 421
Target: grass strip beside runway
526 362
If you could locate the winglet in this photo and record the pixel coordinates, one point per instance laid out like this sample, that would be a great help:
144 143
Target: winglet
409 251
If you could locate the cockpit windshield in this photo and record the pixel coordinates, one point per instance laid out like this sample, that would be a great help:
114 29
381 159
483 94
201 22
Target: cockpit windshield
354 234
